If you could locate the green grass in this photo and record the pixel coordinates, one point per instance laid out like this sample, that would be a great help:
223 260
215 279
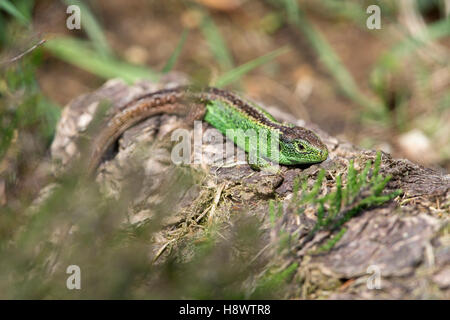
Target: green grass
399 78
329 58
176 53
81 54
32 111
8 7
394 57
216 42
236 73
273 281
92 27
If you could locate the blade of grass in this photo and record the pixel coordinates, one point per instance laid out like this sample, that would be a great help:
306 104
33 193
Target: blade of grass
80 54
216 42
174 57
25 7
2 34
349 10
50 113
6 132
92 27
12 10
354 11
329 58
391 59
237 73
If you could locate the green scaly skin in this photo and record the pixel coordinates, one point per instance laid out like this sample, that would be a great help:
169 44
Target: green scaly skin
295 145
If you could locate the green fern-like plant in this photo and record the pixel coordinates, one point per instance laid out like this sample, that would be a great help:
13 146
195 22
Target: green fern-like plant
363 190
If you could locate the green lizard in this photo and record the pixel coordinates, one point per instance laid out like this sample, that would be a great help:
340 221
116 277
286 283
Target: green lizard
225 111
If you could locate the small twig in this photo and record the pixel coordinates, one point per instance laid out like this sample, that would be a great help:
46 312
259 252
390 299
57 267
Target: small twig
41 42
405 201
214 205
161 250
259 253
202 214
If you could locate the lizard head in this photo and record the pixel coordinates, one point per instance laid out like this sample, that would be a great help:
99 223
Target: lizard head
301 146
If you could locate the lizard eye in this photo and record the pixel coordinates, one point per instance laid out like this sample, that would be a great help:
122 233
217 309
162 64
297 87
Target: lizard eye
300 147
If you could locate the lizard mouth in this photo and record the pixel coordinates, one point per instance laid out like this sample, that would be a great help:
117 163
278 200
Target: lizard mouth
315 157
324 155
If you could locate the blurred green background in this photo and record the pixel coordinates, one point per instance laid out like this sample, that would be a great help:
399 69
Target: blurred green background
382 89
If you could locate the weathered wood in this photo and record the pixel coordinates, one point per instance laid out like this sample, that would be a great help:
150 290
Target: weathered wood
407 240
